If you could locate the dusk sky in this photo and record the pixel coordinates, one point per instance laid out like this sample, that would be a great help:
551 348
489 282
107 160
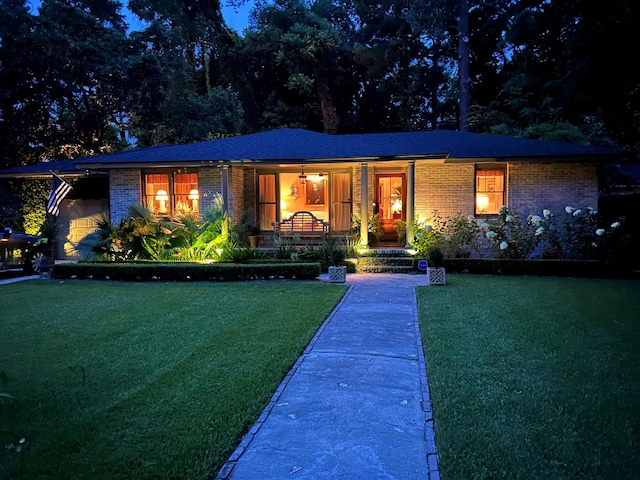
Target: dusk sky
236 18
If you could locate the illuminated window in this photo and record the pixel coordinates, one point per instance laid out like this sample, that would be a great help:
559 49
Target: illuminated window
266 200
490 190
171 193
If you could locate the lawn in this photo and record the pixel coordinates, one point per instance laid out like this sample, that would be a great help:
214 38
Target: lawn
117 380
534 377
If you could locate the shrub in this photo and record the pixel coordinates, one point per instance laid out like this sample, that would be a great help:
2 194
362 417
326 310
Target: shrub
508 236
575 234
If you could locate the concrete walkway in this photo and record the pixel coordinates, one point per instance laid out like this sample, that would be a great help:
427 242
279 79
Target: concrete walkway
356 404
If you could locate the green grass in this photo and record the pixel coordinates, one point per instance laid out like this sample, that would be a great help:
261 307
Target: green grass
534 377
119 380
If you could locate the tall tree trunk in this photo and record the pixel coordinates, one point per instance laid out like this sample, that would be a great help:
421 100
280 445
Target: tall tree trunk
463 66
329 114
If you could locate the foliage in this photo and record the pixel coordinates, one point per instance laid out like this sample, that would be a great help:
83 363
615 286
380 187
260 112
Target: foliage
330 253
400 227
76 83
242 269
574 234
571 234
508 236
374 227
436 258
25 205
455 237
245 227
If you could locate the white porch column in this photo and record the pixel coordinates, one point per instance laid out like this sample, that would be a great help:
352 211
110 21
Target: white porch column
410 212
225 189
364 205
225 198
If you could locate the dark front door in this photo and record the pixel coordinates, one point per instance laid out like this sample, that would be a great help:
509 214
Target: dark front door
390 202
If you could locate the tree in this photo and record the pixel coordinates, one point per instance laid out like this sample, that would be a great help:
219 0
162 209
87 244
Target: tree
61 79
180 83
299 56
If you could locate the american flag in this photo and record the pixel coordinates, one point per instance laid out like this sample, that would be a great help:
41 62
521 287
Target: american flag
59 190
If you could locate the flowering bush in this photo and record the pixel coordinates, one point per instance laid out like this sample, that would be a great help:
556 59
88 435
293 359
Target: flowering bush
508 236
574 233
456 237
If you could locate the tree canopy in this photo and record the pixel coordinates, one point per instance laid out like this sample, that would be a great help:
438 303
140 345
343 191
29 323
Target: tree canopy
76 80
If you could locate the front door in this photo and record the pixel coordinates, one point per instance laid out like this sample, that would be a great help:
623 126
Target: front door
390 202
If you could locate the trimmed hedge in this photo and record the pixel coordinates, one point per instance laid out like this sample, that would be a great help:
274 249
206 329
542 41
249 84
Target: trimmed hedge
187 272
552 268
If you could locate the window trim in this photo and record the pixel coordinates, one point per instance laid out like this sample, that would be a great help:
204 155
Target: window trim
488 168
171 199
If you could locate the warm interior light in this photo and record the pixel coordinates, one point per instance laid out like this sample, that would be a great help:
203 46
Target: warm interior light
194 195
482 202
163 198
283 205
302 176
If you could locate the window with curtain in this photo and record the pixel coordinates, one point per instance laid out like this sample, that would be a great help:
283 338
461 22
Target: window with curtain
267 200
340 201
490 190
171 193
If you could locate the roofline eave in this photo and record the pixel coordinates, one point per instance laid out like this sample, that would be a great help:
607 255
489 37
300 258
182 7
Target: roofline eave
258 161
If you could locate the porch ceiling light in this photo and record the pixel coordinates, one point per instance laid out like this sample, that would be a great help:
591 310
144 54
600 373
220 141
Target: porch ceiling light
302 176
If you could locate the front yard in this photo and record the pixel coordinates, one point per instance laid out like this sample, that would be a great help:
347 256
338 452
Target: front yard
530 377
119 380
534 377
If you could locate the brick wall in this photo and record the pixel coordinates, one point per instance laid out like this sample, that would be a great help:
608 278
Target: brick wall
209 184
446 188
236 192
124 191
533 187
249 188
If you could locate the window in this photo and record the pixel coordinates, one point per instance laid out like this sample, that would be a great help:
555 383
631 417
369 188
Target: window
490 190
266 200
171 193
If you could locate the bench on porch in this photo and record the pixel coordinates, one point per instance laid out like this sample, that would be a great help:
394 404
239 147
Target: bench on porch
301 227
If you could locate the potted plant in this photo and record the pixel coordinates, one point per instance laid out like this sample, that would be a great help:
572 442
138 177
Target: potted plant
247 230
253 232
435 269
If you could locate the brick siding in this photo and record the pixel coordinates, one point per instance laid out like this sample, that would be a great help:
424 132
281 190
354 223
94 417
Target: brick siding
446 188
209 183
125 189
534 187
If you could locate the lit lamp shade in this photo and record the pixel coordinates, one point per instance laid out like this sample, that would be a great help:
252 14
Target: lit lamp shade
482 202
194 195
163 198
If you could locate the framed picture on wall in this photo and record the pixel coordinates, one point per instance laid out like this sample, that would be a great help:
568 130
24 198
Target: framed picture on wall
315 190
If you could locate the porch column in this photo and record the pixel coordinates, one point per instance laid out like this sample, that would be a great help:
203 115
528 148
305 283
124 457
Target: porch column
410 212
364 205
225 198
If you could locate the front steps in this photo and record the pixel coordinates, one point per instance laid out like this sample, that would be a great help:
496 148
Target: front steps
385 261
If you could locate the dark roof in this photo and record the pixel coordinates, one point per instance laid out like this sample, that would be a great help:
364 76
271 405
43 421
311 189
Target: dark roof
300 146
44 169
297 145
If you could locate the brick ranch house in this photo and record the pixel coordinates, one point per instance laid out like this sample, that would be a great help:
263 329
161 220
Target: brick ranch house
399 176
